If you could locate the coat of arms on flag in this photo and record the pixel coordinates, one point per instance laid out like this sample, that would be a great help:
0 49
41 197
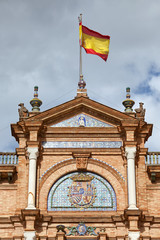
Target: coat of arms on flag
82 191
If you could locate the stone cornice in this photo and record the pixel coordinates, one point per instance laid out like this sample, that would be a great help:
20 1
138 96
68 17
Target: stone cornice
153 172
102 151
23 128
82 104
86 132
34 125
30 212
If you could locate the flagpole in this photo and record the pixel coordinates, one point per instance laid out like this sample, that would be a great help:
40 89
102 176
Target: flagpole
80 46
81 83
80 61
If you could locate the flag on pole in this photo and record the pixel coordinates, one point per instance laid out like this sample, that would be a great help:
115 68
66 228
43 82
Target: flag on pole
94 42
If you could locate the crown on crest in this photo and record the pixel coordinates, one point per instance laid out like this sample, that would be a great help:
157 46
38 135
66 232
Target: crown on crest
81 177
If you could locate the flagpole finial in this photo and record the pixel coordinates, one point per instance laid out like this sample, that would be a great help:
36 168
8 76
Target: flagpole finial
80 18
81 83
81 91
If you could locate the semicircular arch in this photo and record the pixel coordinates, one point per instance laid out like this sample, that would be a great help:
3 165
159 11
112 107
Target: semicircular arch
68 166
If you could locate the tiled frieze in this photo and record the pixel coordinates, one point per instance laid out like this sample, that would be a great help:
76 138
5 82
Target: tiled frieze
81 120
82 144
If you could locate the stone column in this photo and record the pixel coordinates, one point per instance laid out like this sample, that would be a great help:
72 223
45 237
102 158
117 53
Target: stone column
133 235
33 154
130 154
30 235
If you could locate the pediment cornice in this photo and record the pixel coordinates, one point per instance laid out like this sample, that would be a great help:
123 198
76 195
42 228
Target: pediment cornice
81 105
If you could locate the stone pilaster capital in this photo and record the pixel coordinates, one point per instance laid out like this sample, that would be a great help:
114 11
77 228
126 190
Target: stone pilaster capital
133 235
30 235
32 152
130 152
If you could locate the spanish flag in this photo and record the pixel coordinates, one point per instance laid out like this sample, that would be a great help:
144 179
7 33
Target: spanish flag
94 42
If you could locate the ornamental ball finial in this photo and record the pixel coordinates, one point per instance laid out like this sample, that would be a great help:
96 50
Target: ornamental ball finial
128 103
81 83
35 102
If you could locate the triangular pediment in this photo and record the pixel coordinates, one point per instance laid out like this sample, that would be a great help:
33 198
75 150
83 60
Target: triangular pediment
81 111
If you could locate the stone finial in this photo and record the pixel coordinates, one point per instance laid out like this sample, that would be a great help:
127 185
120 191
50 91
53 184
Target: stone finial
35 102
128 103
81 91
81 83
23 112
140 112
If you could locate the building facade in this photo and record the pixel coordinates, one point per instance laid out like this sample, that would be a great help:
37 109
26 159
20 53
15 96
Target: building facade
81 172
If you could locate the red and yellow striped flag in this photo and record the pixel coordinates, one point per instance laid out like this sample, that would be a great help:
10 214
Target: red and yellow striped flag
94 42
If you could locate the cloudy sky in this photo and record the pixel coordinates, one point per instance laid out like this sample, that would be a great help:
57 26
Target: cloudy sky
39 45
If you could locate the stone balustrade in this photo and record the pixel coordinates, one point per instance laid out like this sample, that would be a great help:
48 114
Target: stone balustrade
153 158
8 158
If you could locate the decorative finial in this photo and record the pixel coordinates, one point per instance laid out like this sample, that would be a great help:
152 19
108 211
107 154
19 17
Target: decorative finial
81 83
81 91
35 102
128 103
80 18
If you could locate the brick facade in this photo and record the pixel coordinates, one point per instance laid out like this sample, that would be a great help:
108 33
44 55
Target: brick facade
52 163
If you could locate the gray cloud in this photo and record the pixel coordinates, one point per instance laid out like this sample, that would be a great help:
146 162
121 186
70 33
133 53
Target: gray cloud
39 46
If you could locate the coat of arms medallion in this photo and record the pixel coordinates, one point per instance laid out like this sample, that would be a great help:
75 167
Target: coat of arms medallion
82 191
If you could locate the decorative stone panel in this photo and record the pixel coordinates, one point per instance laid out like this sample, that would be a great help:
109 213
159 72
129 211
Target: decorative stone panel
81 160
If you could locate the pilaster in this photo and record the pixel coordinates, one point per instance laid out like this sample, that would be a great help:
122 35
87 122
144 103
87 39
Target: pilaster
130 154
33 154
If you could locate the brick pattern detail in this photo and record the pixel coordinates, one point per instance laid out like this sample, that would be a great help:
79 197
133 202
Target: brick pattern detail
52 164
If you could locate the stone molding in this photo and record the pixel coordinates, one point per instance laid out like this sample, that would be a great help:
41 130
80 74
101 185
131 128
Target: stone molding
94 161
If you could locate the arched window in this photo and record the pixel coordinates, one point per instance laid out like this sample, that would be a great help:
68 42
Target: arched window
82 192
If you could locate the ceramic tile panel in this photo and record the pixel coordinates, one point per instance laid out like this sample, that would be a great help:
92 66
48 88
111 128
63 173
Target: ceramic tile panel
74 193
